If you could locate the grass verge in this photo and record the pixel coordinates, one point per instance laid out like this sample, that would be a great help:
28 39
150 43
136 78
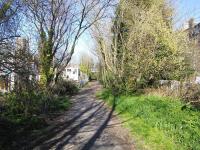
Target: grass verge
158 123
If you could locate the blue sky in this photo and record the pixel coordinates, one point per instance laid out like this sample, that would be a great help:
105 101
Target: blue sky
184 10
84 47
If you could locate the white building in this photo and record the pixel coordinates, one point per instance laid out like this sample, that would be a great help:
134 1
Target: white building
73 73
197 80
9 79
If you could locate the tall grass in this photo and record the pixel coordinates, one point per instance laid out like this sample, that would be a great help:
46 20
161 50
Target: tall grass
158 123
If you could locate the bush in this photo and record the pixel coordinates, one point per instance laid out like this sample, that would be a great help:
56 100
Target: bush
59 104
186 91
191 95
26 103
33 103
21 113
16 128
65 88
26 110
92 76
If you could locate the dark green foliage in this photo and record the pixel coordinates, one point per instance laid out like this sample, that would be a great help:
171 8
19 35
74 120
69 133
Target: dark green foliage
3 9
25 113
16 126
60 104
65 88
29 104
159 122
26 103
92 76
46 57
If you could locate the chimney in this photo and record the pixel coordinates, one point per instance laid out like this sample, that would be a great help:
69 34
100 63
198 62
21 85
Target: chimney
191 23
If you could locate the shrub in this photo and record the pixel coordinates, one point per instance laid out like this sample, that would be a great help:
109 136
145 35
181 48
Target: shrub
22 112
32 123
65 88
18 126
24 107
191 95
26 103
59 104
92 76
38 102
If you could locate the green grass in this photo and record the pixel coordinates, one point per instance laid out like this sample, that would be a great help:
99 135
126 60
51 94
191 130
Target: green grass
61 104
158 123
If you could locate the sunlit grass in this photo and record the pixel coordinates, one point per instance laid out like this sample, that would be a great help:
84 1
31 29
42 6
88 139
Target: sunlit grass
157 122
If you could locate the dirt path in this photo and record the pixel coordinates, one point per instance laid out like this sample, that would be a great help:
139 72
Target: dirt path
88 125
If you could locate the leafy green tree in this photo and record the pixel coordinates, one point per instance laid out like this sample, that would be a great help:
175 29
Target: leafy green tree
46 57
86 65
145 47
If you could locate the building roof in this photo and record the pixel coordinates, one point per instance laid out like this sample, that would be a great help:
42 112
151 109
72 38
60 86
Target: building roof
193 29
196 30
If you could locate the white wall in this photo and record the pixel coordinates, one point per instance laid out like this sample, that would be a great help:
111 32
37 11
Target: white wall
71 73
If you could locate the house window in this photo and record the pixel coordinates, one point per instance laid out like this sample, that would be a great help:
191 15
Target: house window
75 70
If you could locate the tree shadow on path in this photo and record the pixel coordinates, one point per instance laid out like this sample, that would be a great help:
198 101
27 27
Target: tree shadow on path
71 133
98 133
94 117
54 130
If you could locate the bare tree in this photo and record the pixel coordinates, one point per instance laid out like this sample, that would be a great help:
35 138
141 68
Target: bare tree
102 35
60 24
9 23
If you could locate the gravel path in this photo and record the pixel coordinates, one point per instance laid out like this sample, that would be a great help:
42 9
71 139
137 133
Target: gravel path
88 125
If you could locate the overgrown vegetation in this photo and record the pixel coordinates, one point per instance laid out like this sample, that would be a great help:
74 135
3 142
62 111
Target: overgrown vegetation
144 47
136 49
158 122
21 115
191 95
65 87
34 103
24 112
87 66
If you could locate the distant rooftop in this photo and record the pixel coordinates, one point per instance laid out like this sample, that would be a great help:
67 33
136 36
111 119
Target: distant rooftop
194 29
